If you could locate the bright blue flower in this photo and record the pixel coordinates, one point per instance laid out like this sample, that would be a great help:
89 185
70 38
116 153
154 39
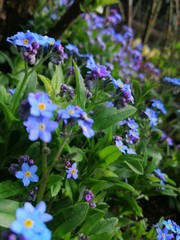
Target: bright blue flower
27 174
132 136
159 105
41 105
132 124
169 225
121 146
174 81
70 112
152 115
163 234
40 209
87 130
40 128
22 39
72 172
29 224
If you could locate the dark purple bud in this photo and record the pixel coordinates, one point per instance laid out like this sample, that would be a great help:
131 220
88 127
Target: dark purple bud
87 197
92 204
14 168
35 45
31 161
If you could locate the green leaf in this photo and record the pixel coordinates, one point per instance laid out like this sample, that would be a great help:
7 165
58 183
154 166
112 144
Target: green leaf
105 2
80 87
4 95
126 186
6 58
8 113
106 117
104 236
133 162
105 225
69 218
110 154
94 216
72 189
48 85
57 79
7 212
31 85
9 188
55 188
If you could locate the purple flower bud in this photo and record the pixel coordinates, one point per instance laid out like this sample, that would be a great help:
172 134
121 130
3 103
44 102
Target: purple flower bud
14 168
35 45
92 204
31 161
87 198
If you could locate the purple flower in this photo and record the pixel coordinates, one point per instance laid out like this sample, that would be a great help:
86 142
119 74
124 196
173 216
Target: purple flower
40 128
27 174
40 105
163 234
159 174
72 172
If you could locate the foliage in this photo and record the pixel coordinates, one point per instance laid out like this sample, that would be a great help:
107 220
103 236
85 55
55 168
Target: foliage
89 126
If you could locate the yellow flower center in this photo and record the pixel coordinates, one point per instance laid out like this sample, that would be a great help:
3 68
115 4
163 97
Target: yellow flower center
73 171
70 111
120 147
28 223
42 106
120 84
42 127
27 174
132 126
51 43
25 41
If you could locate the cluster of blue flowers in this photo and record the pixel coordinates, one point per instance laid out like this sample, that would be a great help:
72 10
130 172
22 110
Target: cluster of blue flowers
73 114
30 221
33 46
39 123
152 114
170 231
122 147
173 81
25 170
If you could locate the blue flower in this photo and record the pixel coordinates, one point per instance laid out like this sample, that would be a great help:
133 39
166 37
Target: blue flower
27 174
41 105
131 151
40 128
87 130
159 105
169 225
152 115
29 223
163 234
72 48
174 81
121 146
159 174
132 124
22 39
70 112
72 172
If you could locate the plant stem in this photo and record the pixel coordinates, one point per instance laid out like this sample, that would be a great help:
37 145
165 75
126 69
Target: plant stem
44 173
24 82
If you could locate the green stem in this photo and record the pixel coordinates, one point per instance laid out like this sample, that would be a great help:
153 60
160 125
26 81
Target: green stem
44 173
24 81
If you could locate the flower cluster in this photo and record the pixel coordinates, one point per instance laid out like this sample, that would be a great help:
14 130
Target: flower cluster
74 114
66 91
171 230
39 123
33 46
122 147
25 170
88 195
30 222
